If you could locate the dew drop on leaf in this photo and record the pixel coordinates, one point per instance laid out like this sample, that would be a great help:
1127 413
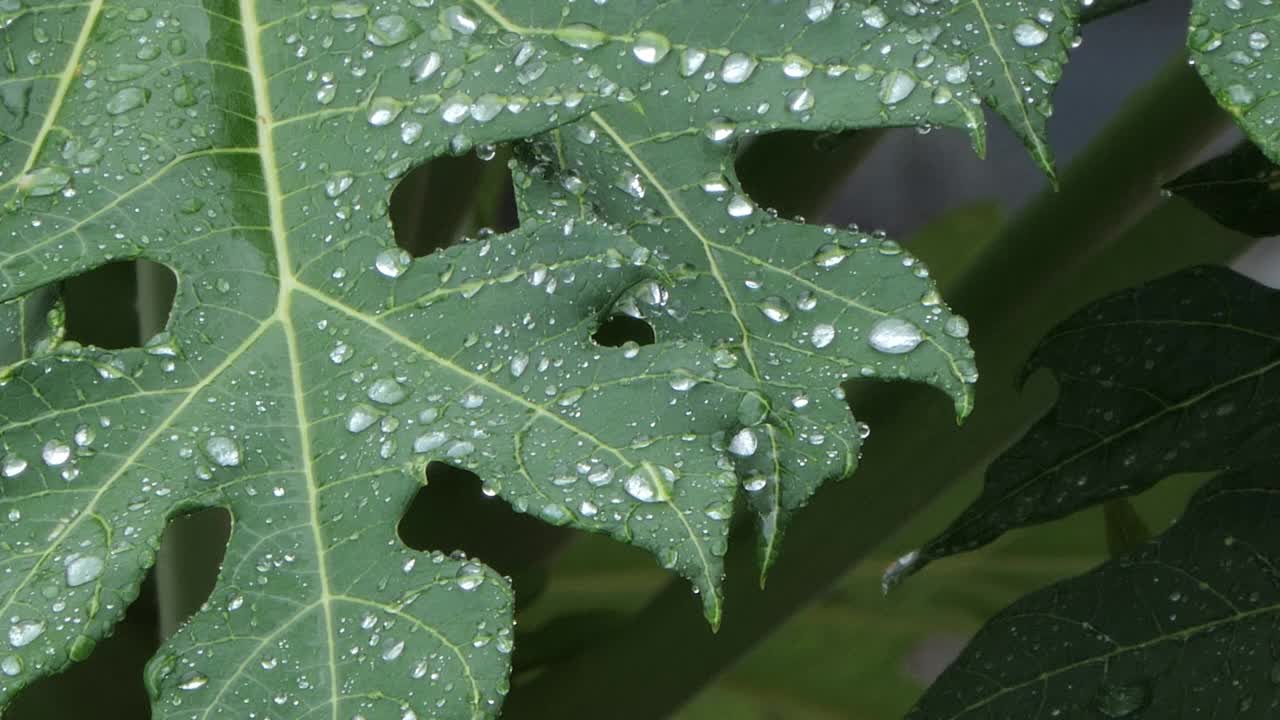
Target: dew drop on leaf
895 336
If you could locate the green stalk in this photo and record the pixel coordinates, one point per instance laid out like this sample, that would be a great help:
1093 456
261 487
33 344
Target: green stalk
1065 249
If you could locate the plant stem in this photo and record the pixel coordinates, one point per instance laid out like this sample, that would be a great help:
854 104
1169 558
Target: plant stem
1062 251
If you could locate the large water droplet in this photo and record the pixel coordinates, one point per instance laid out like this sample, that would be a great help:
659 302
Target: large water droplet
896 86
12 466
895 336
130 98
83 569
223 450
55 453
822 335
1029 33
25 632
44 181
650 47
391 30
737 68
744 443
1119 700
469 576
387 391
393 262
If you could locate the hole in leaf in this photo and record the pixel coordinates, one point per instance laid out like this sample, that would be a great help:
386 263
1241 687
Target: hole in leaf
111 677
621 329
120 304
191 553
798 173
451 513
453 197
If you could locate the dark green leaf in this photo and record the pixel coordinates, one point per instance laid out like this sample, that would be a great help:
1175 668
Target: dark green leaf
1187 626
1179 375
1241 190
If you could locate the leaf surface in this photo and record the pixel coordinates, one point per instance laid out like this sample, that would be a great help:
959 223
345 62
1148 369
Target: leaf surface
800 308
1238 189
311 369
1184 626
1179 375
1233 46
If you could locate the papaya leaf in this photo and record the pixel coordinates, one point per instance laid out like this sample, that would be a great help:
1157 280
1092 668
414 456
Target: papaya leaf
1184 626
311 368
1238 189
1232 46
1179 375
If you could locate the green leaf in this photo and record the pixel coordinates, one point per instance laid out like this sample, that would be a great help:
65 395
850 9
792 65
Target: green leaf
28 325
800 308
311 369
1174 376
1238 189
1233 46
1182 627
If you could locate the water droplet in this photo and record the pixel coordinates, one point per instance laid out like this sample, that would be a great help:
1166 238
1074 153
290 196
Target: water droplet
896 86
796 67
819 10
427 442
775 308
898 570
1118 700
460 20
581 36
12 466
737 68
895 336
650 47
393 262
1029 33
223 451
391 30
956 326
384 110
338 183
130 98
25 632
469 576
691 60
340 353
740 206
822 335
720 130
426 66
744 443
44 181
193 681
55 453
642 486
387 391
83 569
361 418
11 665
348 10
755 482
800 100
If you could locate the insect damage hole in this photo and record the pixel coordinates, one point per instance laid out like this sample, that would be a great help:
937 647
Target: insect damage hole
619 330
450 512
452 197
191 553
118 305
798 174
